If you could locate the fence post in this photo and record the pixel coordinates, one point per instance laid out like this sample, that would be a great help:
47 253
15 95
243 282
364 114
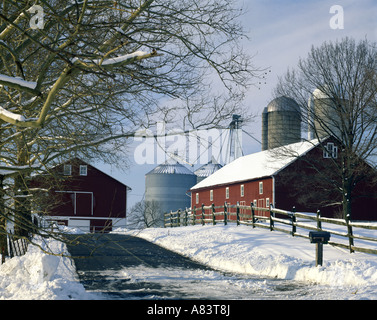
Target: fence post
319 223
271 218
293 221
202 214
171 219
186 217
213 214
238 213
350 234
252 214
225 213
179 218
193 216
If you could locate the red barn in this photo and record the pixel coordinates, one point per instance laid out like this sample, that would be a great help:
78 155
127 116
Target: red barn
284 177
83 196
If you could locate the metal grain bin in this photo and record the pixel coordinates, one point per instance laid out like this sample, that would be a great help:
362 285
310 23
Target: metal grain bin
207 169
169 184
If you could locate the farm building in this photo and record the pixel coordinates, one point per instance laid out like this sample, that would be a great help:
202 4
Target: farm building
168 185
285 177
80 195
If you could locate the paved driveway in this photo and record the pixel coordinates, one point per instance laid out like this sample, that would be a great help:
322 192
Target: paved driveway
100 257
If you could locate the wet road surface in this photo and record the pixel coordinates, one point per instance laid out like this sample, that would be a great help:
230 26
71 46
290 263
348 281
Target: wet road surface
123 267
102 260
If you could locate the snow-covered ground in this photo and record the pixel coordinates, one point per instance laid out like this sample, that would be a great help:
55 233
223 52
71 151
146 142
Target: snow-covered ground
264 253
41 276
239 249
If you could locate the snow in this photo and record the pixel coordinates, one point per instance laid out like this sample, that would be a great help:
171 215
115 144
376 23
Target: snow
237 249
121 58
260 252
115 60
257 165
41 276
19 81
11 115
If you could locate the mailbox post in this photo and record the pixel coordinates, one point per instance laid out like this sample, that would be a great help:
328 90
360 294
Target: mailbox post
319 238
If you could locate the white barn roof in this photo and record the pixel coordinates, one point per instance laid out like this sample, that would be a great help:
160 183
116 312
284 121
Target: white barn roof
257 165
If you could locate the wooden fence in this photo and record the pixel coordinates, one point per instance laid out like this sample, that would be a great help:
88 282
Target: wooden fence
15 246
344 233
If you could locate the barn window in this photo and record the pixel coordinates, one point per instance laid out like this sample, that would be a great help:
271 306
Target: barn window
83 170
260 187
227 193
267 202
67 171
211 195
330 151
197 198
255 203
242 191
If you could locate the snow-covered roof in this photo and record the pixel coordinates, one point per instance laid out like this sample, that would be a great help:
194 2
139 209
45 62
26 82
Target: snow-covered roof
257 165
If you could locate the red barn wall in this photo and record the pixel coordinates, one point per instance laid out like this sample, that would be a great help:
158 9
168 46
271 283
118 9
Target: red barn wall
109 195
251 194
300 185
91 197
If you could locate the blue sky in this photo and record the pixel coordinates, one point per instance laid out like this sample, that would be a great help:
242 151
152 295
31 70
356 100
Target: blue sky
280 33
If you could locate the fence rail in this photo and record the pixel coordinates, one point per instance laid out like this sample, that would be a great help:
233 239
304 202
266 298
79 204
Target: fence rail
14 246
344 233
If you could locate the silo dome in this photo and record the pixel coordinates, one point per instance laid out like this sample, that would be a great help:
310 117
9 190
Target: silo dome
283 121
283 104
170 168
207 169
319 94
168 184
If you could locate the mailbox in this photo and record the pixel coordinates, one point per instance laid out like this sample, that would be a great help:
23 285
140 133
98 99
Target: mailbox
319 236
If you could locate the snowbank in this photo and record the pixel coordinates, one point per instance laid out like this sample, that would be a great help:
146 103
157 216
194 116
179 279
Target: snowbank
40 276
270 254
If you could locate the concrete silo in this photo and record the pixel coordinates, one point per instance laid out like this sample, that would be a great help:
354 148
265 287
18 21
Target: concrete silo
168 185
206 170
281 123
323 116
265 129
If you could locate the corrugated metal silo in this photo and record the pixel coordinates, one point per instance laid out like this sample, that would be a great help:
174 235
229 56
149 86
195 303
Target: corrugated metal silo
207 169
168 184
284 122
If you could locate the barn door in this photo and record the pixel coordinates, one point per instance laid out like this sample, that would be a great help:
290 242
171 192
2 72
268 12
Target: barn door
84 203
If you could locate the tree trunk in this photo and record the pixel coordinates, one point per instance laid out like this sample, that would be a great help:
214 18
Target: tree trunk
22 208
3 225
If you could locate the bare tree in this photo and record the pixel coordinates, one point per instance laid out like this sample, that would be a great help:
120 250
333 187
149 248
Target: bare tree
90 73
145 214
335 87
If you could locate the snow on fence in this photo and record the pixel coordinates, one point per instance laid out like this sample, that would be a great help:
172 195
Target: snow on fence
344 233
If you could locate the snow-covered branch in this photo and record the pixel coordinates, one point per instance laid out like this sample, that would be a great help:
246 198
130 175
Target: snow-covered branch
10 117
18 83
116 61
10 170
